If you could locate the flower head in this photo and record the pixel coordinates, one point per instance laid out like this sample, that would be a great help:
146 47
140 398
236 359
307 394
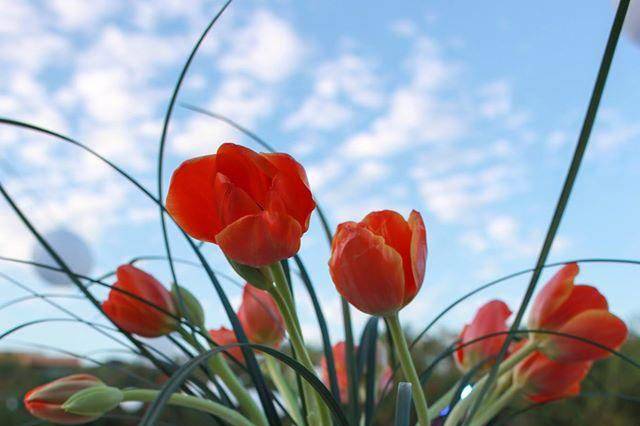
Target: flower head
543 379
260 317
577 310
254 206
45 402
151 319
223 336
378 264
490 318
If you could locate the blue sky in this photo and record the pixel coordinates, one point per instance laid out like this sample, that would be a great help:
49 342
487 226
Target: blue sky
466 112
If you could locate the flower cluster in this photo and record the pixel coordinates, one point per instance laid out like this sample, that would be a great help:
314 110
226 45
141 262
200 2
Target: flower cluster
256 207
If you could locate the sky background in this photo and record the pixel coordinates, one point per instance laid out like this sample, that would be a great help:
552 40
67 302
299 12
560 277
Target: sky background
465 111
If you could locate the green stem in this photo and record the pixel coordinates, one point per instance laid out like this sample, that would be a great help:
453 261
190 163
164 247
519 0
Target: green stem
461 407
409 369
290 398
181 400
219 366
316 409
493 409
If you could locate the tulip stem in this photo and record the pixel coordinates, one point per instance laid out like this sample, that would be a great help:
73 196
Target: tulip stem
317 411
290 398
229 415
494 408
460 408
219 366
409 369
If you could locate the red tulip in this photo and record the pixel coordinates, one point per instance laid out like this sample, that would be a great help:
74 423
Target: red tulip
254 206
339 351
132 314
578 310
490 318
260 317
223 336
45 402
543 379
378 264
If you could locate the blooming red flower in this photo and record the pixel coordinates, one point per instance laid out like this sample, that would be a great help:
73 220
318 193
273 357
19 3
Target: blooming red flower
254 206
490 318
223 336
378 264
339 351
578 310
45 402
260 317
543 379
131 313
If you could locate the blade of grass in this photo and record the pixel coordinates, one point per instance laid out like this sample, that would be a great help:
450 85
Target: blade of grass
576 161
174 382
403 404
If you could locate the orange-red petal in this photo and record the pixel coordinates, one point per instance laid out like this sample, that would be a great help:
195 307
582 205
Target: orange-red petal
191 198
600 326
582 298
418 254
261 239
247 170
366 271
233 202
552 295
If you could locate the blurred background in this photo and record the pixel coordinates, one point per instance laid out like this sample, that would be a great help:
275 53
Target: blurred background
467 112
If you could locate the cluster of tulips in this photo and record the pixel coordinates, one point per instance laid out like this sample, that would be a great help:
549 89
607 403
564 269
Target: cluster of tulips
256 208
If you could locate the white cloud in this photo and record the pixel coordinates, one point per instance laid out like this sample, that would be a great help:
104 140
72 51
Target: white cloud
415 114
340 87
495 99
267 48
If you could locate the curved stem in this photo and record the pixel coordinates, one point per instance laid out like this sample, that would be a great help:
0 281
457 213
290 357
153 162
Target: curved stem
409 369
290 398
317 411
493 409
219 366
181 400
458 411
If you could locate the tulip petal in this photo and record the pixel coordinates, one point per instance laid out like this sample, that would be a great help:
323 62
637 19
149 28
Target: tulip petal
598 325
260 317
247 170
367 271
191 198
418 254
542 376
223 336
233 202
290 188
490 318
582 298
395 230
143 285
552 295
261 239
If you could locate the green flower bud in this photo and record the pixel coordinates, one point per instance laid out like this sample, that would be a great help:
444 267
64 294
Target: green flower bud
93 401
188 308
252 275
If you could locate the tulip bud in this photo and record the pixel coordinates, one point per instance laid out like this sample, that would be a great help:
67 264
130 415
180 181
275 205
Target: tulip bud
150 313
45 402
252 275
183 298
94 401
